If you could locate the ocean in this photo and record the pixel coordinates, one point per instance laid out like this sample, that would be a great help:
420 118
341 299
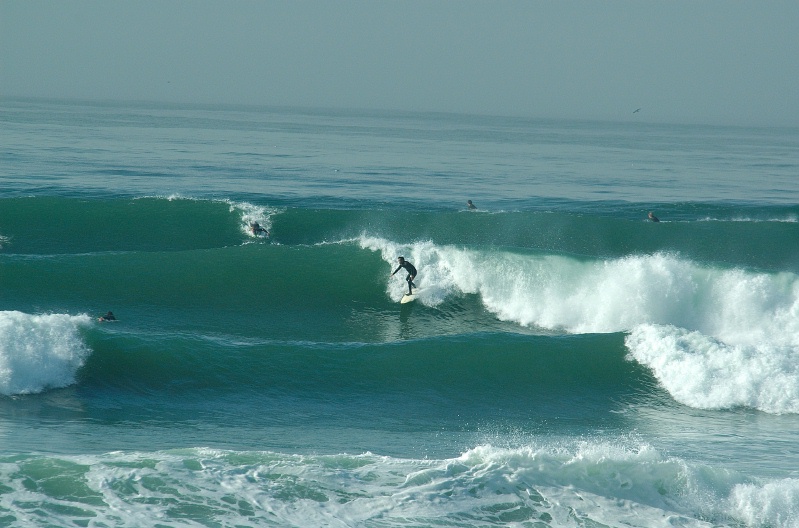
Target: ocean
568 363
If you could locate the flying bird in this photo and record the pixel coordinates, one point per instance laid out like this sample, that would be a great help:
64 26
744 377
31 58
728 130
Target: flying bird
636 110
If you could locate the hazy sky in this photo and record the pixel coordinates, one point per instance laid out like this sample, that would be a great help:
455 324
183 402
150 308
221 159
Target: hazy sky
678 60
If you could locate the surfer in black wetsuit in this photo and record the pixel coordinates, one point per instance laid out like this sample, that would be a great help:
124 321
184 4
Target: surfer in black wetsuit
257 229
107 317
411 273
652 217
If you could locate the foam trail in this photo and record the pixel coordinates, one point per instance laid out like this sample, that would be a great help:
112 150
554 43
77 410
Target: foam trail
38 352
790 218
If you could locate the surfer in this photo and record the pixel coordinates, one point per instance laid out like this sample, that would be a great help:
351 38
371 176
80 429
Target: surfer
411 273
107 317
653 217
257 229
470 205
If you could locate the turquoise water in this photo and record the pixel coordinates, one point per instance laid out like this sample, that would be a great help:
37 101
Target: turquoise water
567 363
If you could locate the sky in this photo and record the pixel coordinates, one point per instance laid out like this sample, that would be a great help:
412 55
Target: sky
679 61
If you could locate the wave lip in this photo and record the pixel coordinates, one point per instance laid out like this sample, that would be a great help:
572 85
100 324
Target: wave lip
38 352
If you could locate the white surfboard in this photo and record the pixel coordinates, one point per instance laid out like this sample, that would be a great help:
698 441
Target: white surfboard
408 298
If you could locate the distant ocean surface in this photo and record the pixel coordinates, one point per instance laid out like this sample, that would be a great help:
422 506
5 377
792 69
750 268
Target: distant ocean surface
568 362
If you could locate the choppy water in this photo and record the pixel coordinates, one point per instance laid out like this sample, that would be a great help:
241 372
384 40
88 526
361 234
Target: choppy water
567 363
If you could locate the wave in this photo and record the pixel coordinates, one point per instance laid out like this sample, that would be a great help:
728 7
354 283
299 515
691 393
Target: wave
583 483
441 376
62 226
715 338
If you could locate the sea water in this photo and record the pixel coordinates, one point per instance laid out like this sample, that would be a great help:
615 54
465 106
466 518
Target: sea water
567 363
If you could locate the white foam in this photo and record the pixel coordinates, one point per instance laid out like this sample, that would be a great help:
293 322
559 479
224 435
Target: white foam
170 198
585 483
773 504
790 218
38 352
704 372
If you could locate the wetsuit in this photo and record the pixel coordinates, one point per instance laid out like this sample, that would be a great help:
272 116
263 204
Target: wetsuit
411 274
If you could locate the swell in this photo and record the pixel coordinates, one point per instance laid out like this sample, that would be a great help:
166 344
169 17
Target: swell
729 235
250 290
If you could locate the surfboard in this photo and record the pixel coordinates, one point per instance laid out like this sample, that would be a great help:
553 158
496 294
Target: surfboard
408 298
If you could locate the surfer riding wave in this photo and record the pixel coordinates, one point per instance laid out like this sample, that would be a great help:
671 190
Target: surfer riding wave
411 273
